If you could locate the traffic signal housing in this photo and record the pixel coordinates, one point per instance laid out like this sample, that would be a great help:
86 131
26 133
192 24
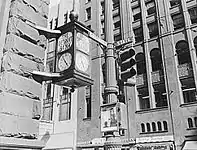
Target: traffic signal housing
127 63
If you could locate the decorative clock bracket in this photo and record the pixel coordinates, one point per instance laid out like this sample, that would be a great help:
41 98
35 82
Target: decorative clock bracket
77 73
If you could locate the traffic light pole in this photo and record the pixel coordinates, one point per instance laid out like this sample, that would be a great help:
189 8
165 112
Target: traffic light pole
111 88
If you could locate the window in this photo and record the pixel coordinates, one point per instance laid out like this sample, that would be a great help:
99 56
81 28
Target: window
189 95
183 53
160 98
156 59
102 7
88 13
153 29
104 73
65 18
102 27
143 128
51 46
193 15
174 3
190 122
140 63
65 105
51 24
56 22
159 126
154 126
88 105
136 13
148 127
117 37
115 3
189 90
138 34
165 125
144 98
195 44
178 21
48 103
49 66
195 121
150 5
117 24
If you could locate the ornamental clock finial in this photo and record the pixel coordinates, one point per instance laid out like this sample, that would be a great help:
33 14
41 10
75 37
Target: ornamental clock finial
73 16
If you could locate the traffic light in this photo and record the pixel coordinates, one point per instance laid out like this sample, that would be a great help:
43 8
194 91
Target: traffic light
127 63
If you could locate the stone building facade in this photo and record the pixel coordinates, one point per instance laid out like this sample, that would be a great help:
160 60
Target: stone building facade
22 50
161 108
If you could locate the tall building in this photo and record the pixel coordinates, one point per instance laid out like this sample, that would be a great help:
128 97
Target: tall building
161 108
22 50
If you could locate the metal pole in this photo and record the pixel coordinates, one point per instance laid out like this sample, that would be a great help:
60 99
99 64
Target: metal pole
111 82
111 88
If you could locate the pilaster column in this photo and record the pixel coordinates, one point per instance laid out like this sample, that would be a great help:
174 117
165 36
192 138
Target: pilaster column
147 55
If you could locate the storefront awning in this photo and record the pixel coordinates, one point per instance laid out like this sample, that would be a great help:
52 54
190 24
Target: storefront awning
190 145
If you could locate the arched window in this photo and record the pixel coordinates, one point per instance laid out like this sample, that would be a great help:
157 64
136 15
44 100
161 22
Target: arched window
159 126
190 122
143 127
183 53
153 126
156 59
140 63
165 125
148 127
195 121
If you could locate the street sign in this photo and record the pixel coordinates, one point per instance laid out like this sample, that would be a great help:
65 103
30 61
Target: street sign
123 42
97 39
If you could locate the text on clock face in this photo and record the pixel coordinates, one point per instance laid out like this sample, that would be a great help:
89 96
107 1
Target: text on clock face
82 42
65 41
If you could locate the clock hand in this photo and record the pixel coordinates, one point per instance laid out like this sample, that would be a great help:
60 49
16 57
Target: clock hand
65 61
82 63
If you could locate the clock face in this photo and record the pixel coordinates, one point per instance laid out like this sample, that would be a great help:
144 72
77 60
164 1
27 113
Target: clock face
65 61
82 62
65 42
82 42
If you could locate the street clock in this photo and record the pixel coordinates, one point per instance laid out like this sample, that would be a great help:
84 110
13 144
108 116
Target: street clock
73 60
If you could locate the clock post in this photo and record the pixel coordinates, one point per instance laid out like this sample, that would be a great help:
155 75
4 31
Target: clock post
73 59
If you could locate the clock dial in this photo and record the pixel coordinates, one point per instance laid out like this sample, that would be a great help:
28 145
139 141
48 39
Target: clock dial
82 42
65 42
82 62
65 61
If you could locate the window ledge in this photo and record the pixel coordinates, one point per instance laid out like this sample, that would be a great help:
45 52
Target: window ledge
189 104
193 26
46 121
87 119
153 132
194 128
151 110
178 5
189 1
150 15
134 21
